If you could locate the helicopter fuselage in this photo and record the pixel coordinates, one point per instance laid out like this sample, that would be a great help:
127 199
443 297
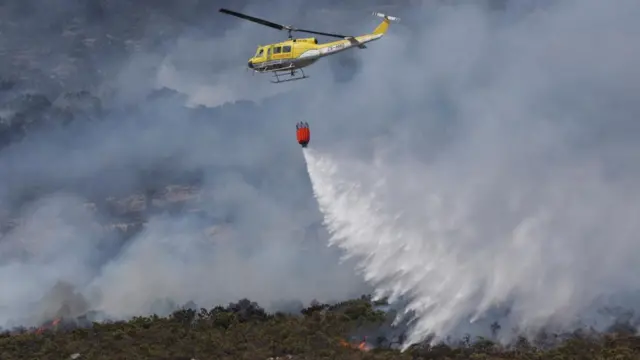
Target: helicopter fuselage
299 53
295 54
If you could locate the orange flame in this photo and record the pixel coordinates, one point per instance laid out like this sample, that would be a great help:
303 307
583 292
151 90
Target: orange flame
362 346
52 325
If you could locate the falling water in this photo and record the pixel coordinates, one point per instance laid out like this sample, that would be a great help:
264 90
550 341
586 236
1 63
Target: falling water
460 247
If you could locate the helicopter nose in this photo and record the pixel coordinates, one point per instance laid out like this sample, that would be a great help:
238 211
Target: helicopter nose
250 64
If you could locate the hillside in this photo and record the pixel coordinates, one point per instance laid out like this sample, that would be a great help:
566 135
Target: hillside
348 330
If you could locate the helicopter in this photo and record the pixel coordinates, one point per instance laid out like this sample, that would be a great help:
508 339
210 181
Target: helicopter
287 57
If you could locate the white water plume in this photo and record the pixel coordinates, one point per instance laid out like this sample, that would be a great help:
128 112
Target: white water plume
458 241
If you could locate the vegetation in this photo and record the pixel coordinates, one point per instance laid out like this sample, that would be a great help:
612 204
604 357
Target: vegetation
245 331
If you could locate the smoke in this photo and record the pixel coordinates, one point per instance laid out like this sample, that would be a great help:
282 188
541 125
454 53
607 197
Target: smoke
252 229
492 168
56 240
503 114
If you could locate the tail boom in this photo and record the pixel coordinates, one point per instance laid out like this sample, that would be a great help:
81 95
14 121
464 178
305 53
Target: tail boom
357 41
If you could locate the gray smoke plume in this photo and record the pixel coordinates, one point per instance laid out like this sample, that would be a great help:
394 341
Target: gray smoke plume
122 131
493 168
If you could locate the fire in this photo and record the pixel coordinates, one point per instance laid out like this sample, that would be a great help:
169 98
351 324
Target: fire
362 346
51 325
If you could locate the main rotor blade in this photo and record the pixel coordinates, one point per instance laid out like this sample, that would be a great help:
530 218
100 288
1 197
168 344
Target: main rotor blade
321 33
254 19
276 26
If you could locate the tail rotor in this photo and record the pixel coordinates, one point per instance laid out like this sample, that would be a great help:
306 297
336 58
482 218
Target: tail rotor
384 16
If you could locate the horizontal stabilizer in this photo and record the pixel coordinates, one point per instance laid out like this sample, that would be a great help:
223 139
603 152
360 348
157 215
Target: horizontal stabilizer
355 42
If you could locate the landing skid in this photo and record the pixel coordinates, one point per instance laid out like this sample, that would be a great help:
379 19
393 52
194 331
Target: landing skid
291 73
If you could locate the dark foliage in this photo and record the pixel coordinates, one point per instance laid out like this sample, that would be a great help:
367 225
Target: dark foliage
243 330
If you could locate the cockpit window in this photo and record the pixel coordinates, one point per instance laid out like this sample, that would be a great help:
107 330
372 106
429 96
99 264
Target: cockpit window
259 53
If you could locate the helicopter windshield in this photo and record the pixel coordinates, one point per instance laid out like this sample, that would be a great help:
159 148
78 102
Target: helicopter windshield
259 52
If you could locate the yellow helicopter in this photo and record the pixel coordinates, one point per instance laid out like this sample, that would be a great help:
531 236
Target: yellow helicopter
289 56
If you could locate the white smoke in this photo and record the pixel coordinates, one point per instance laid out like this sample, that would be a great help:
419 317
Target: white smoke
57 240
458 241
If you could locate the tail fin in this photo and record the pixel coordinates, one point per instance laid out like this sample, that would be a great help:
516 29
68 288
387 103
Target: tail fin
384 25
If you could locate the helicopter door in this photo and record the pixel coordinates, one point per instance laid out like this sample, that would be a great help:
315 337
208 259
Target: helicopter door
269 53
286 51
259 53
277 52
